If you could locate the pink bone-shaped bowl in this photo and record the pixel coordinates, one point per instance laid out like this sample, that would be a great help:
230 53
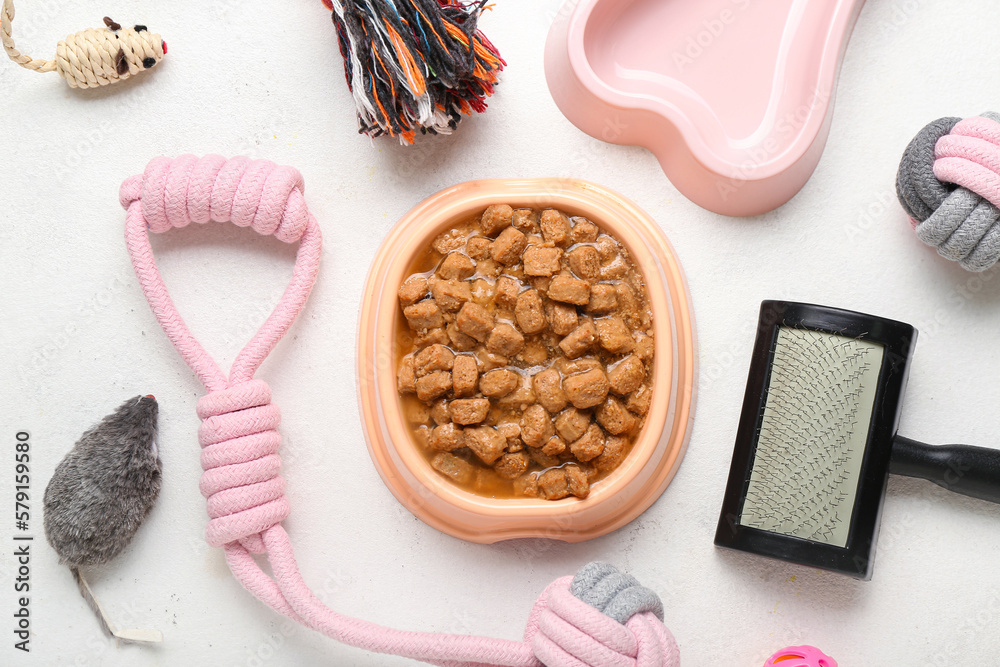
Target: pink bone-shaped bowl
734 97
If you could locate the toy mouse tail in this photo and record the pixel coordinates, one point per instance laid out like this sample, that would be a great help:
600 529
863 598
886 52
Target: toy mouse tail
127 635
22 59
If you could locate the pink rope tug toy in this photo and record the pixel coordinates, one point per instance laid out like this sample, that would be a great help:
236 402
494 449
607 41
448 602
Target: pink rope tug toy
599 618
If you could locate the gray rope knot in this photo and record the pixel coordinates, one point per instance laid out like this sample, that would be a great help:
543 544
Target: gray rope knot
617 595
946 180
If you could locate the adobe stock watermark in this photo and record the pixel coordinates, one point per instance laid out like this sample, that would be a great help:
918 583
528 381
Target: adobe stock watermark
87 146
250 321
712 30
900 14
959 297
24 30
731 361
725 361
613 129
982 622
82 149
97 647
872 213
559 9
786 125
272 643
59 337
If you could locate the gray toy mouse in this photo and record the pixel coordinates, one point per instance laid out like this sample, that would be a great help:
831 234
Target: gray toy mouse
101 492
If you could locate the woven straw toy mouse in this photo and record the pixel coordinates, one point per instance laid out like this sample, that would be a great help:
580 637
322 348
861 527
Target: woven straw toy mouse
93 57
100 494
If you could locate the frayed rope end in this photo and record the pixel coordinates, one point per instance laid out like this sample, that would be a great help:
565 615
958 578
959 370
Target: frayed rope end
415 65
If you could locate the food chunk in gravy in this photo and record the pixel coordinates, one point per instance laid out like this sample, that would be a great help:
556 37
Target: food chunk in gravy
451 294
524 353
541 261
587 389
556 227
569 290
505 340
464 375
412 290
423 316
495 218
499 382
468 411
486 443
508 247
530 312
475 321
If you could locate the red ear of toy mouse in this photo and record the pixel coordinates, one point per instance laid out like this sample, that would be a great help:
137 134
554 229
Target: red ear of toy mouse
419 68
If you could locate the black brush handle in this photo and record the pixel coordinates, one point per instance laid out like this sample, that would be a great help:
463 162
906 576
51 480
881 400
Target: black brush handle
971 471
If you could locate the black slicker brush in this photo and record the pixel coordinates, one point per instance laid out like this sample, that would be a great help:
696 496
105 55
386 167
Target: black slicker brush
817 439
100 494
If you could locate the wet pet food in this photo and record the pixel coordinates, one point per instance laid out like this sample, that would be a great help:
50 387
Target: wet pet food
524 353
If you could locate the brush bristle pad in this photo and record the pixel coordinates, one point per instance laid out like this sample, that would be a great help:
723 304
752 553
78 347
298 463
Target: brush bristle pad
813 434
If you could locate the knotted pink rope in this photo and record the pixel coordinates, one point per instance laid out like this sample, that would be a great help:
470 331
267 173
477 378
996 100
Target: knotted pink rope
969 156
949 183
240 441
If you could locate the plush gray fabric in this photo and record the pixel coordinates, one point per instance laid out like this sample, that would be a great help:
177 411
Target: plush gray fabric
103 488
617 595
962 225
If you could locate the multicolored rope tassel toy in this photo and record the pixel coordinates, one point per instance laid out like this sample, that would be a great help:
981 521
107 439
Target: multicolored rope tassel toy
949 184
599 618
93 57
415 65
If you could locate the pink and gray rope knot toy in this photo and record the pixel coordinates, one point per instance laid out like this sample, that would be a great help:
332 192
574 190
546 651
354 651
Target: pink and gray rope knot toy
599 618
949 184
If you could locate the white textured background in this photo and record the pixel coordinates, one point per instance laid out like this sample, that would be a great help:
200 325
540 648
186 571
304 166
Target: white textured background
266 79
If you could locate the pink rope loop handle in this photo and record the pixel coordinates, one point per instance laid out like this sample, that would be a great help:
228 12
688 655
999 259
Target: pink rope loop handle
240 440
255 193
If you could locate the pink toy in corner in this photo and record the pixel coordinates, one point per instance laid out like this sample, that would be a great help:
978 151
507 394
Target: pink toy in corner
800 656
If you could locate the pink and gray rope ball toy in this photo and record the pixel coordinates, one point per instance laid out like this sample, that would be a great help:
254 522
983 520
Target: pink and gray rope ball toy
949 184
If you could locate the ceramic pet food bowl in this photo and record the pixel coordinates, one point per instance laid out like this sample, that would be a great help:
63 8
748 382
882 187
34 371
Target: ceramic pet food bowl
734 97
659 446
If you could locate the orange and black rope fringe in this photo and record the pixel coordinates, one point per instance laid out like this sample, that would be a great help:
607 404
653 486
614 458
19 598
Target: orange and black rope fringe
415 65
